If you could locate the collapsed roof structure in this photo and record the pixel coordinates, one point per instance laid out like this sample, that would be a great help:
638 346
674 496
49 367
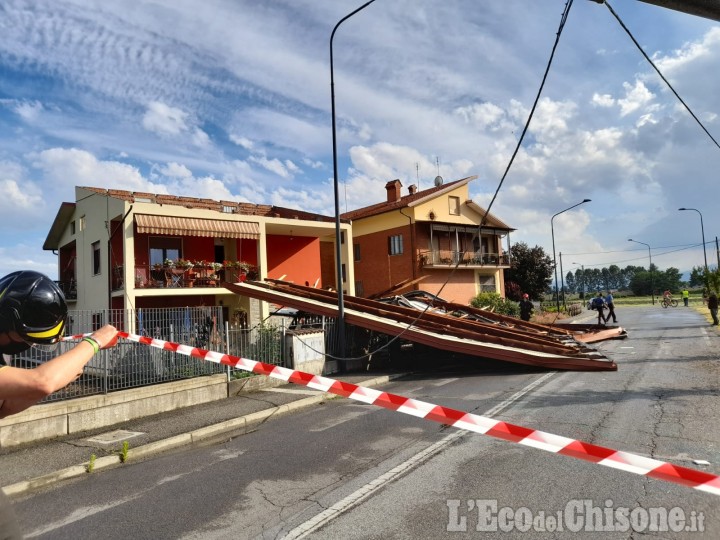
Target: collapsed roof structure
450 327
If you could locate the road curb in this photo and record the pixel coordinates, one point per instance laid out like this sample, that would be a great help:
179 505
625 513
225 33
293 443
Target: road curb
237 425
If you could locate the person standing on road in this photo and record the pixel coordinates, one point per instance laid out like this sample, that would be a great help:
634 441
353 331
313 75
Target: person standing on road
713 307
611 307
686 296
598 303
33 313
526 307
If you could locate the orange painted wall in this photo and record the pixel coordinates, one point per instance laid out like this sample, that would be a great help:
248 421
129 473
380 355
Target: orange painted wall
460 288
327 262
247 250
376 269
297 257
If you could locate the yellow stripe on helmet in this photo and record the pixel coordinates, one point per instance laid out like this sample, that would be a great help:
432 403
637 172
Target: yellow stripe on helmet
53 332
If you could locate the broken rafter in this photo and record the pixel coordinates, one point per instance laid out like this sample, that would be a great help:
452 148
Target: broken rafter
551 349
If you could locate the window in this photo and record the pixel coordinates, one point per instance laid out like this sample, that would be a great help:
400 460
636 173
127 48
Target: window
487 283
81 224
228 209
395 245
342 237
164 248
454 206
342 269
95 246
356 252
359 289
72 227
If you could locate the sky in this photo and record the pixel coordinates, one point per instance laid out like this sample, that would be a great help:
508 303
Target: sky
231 100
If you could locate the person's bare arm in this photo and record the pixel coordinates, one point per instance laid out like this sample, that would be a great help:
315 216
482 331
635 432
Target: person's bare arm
22 388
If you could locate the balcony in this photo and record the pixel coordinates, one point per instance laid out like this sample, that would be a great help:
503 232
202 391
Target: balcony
467 259
190 277
69 289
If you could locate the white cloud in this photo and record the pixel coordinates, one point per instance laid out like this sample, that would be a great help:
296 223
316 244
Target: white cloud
242 141
28 110
273 165
484 115
636 96
164 120
13 197
603 100
175 170
65 168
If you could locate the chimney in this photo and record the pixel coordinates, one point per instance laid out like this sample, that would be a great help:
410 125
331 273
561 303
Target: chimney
393 190
412 189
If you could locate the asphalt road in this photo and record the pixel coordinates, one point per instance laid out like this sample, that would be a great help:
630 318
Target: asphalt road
348 470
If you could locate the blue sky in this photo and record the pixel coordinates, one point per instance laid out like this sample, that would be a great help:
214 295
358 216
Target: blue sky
230 99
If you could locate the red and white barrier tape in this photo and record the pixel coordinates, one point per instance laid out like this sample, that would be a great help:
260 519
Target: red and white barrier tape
615 459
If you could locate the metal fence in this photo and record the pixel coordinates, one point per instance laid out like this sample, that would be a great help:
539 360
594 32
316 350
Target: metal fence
131 365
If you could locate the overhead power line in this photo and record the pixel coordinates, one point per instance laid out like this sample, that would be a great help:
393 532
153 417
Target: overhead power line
563 19
617 17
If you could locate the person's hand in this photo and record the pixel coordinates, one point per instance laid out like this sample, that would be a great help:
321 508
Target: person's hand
106 336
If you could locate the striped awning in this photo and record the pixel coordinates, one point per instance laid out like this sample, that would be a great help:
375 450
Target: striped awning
183 226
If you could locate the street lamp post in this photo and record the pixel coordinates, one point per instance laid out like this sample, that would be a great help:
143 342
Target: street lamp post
552 232
338 250
702 230
652 283
562 282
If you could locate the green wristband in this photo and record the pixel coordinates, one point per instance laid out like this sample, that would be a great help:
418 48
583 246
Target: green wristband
91 341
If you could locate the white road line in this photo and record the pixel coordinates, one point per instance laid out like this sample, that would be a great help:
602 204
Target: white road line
343 505
443 382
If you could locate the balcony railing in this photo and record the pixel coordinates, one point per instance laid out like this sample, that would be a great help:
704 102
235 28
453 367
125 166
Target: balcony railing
445 258
174 277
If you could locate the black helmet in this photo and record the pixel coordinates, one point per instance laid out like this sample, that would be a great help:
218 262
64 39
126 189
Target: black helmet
33 307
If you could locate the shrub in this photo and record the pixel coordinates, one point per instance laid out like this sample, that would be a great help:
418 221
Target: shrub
496 303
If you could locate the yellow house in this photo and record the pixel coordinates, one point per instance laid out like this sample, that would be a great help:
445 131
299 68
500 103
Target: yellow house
437 240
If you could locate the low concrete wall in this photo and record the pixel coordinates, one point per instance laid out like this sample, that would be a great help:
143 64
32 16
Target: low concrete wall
50 420
252 384
305 349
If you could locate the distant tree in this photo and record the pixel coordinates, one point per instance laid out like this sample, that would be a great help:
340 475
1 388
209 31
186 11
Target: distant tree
570 284
531 269
655 281
642 283
615 278
697 277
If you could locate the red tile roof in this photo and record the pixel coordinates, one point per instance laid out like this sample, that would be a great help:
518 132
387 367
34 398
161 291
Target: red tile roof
403 202
225 207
